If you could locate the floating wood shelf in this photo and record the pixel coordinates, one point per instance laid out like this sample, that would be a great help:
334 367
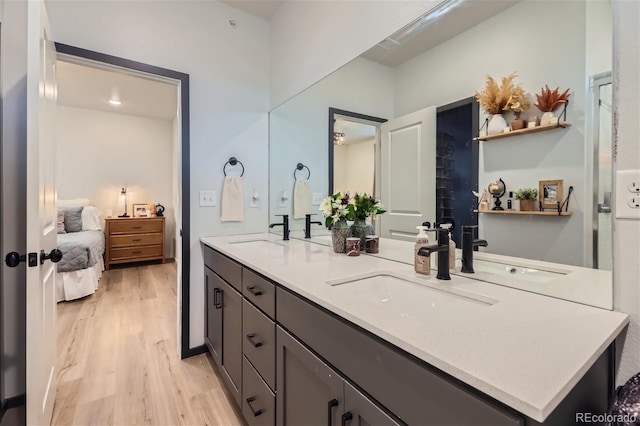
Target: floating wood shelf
532 213
560 125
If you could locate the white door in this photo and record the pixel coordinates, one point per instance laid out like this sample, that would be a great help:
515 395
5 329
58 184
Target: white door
408 173
41 217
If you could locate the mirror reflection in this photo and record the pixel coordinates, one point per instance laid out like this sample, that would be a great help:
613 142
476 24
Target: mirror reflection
431 70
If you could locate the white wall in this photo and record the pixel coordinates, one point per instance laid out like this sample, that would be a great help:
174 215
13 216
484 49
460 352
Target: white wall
308 41
354 167
13 16
97 153
299 128
457 68
229 95
626 234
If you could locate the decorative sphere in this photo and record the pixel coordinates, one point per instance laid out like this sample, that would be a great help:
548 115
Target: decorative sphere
497 188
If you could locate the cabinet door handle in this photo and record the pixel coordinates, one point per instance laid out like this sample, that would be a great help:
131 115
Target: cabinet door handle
256 413
331 404
346 417
136 227
217 302
255 344
136 240
253 291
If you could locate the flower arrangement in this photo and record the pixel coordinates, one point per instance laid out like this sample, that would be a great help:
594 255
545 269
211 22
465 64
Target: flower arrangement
526 194
337 207
518 102
494 98
550 100
366 205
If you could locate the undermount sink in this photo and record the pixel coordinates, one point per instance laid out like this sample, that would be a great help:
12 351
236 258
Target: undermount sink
393 290
518 272
260 242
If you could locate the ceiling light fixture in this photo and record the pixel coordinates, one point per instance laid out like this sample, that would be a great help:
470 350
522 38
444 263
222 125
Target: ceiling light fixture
115 102
338 138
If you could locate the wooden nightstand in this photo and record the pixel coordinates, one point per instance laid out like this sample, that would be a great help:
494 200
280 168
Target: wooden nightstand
133 240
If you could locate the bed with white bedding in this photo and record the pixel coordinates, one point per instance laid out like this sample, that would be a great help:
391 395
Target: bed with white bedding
81 240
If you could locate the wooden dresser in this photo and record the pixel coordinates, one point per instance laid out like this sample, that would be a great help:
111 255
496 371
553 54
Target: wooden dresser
133 240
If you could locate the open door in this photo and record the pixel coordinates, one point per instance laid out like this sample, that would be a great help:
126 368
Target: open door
41 218
408 173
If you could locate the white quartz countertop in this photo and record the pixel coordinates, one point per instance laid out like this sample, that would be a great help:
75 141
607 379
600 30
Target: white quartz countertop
523 349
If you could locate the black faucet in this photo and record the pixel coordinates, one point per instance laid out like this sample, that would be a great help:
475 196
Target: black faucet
307 226
284 224
469 243
443 257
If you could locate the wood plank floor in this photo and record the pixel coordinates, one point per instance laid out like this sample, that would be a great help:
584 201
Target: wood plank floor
118 362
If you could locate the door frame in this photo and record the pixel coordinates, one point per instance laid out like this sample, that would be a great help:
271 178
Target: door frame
183 79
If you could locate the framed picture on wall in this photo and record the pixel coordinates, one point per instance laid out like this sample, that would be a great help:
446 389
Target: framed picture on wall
140 210
550 193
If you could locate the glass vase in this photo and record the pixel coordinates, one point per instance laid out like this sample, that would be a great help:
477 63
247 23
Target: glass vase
360 229
339 233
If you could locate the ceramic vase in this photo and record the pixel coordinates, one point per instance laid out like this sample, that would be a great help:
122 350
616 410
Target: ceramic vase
360 229
527 205
496 124
339 233
548 118
517 124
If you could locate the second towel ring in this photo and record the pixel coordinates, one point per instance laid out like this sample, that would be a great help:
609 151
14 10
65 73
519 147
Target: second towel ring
301 166
233 161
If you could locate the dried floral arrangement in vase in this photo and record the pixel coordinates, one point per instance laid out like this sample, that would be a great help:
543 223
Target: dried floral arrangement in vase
548 101
494 99
518 103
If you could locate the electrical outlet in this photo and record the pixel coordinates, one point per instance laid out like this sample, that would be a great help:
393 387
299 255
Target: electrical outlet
208 198
316 199
627 186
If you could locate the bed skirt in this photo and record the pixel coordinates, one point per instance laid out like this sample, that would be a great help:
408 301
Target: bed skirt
76 284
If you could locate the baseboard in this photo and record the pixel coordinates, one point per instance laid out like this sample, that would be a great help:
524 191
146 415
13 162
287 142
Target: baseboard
13 402
194 351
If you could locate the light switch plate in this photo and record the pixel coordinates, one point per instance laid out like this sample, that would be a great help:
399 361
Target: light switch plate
627 197
208 198
316 199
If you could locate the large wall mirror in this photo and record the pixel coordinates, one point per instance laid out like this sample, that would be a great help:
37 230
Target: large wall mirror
435 66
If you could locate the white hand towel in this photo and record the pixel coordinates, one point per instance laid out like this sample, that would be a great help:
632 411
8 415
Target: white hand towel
301 199
232 203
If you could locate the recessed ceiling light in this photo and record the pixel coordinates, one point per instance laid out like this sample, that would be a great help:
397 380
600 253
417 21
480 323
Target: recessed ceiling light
115 102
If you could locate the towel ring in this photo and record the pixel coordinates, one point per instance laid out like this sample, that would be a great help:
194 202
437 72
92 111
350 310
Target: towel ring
233 161
301 166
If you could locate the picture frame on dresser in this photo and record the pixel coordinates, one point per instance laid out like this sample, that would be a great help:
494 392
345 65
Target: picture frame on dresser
140 210
550 193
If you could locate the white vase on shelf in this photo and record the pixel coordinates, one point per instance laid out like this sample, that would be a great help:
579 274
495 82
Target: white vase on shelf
548 118
496 124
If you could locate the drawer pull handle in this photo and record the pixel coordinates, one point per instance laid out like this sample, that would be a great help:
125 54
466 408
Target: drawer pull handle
136 227
346 417
253 291
136 252
217 302
256 413
135 240
255 344
333 403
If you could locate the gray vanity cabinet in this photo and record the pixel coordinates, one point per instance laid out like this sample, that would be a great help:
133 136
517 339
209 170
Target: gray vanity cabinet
223 334
309 391
361 411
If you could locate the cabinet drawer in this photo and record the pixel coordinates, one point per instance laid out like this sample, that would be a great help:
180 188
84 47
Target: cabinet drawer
259 342
260 291
258 402
136 240
136 226
414 391
136 252
228 269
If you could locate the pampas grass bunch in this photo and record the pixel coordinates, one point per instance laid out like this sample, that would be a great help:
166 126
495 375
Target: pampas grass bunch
550 100
495 97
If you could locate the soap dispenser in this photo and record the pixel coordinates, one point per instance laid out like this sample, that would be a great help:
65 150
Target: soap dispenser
422 264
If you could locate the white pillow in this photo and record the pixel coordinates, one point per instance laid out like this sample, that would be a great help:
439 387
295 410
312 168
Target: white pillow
90 219
77 202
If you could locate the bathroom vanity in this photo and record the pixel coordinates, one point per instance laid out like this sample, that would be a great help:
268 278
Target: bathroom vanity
302 335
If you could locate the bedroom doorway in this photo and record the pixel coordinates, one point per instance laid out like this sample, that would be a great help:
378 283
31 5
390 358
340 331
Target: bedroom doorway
176 200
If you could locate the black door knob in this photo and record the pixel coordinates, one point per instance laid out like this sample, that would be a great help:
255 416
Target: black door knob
55 256
13 259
